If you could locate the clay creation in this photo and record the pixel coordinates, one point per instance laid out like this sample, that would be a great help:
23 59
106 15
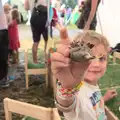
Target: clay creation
81 51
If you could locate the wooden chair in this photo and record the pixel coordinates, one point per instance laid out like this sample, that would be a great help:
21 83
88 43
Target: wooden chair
52 78
37 112
35 71
110 115
116 55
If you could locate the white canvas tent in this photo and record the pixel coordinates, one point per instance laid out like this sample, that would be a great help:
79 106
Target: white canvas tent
20 4
110 20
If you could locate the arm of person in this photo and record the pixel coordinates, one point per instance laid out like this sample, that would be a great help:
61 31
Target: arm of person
92 14
65 104
26 5
110 94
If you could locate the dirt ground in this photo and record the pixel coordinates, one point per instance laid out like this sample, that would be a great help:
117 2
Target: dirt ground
17 91
35 95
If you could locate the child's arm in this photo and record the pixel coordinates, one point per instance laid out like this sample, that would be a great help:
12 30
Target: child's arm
68 73
26 5
65 104
110 94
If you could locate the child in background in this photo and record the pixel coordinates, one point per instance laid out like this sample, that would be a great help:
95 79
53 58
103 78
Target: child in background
14 43
78 95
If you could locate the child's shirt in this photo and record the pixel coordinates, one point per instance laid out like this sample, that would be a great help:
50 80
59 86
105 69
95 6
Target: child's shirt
89 104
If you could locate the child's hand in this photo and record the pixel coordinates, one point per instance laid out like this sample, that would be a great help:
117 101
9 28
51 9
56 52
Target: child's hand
110 94
69 73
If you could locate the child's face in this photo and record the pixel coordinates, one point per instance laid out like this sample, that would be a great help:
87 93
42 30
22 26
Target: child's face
7 11
97 67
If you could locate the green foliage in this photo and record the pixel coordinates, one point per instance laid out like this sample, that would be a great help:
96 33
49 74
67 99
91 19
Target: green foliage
70 3
111 77
114 103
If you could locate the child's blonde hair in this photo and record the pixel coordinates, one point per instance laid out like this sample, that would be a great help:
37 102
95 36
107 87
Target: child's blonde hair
93 37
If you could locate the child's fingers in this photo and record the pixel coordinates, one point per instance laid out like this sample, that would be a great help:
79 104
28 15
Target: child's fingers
63 33
64 38
114 93
64 50
67 52
60 58
58 65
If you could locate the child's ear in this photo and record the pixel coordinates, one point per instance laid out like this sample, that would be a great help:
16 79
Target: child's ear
109 49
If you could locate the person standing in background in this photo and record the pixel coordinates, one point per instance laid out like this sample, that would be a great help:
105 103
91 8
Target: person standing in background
38 24
14 43
88 20
4 42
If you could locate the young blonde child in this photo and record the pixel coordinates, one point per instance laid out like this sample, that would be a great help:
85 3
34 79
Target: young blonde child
14 43
78 95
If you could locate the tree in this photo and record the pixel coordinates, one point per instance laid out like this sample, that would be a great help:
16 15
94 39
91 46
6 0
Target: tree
70 3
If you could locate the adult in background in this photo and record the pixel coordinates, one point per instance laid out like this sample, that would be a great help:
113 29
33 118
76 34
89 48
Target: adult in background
38 21
4 42
88 18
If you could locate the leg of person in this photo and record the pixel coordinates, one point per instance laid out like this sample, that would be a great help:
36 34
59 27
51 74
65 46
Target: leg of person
3 74
36 39
80 22
9 64
93 24
45 36
4 58
51 30
15 56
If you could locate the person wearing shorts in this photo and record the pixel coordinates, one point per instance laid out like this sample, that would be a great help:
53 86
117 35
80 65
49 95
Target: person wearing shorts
88 20
38 24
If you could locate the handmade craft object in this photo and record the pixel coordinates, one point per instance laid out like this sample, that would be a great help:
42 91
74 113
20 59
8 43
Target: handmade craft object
81 51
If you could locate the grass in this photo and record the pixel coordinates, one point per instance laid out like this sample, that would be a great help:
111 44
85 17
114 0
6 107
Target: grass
114 103
110 80
111 77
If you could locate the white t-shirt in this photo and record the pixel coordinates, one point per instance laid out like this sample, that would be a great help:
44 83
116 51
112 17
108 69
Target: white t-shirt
89 104
32 3
3 21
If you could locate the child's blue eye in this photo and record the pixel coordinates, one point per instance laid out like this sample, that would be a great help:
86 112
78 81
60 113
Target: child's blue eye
102 59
